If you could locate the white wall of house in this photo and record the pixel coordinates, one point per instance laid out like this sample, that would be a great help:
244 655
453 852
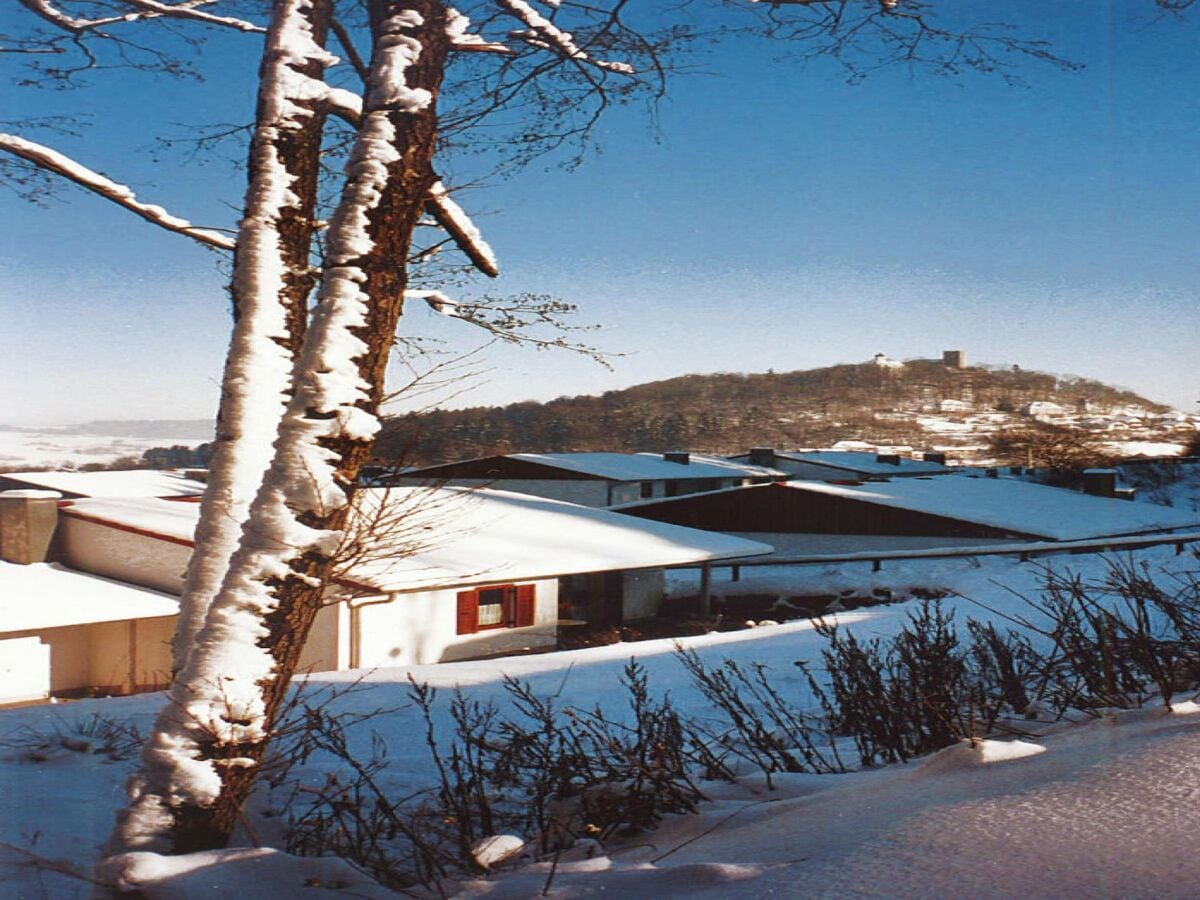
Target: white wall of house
130 655
421 627
122 555
327 648
24 669
116 657
643 593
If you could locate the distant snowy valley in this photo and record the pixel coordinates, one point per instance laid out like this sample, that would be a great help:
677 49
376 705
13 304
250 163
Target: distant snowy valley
72 446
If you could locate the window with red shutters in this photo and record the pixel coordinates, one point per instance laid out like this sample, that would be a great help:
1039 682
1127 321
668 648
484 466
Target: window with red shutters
497 606
468 612
524 611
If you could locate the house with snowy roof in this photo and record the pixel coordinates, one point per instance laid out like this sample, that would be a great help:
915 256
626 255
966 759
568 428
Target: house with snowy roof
429 575
949 511
593 479
841 465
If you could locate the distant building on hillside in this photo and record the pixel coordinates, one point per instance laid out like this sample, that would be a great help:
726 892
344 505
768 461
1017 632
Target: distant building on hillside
954 359
1043 409
592 479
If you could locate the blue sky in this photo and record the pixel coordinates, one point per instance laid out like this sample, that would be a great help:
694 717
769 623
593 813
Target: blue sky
777 218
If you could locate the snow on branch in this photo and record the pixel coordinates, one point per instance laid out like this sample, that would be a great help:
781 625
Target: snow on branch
154 9
343 103
438 302
461 38
53 161
545 34
451 217
149 9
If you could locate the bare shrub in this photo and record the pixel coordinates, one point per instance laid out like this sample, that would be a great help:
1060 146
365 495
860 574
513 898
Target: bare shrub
586 773
759 724
1121 639
549 774
350 815
96 734
1005 661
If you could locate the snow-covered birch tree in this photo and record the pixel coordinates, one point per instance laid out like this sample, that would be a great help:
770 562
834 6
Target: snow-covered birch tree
302 386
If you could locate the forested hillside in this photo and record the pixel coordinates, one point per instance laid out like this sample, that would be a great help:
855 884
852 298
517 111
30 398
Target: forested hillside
910 404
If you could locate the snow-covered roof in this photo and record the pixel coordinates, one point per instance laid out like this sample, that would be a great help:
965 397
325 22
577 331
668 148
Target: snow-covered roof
47 595
866 463
648 466
1019 506
440 537
130 483
166 518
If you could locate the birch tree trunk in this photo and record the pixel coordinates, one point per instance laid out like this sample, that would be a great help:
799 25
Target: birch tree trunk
203 755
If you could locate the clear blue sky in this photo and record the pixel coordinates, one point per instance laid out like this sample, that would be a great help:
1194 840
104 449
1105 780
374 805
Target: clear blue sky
779 219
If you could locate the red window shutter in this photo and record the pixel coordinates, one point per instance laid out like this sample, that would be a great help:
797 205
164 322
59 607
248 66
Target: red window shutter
525 600
468 612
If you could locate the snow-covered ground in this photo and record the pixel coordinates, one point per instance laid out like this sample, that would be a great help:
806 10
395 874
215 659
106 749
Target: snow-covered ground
25 448
1100 808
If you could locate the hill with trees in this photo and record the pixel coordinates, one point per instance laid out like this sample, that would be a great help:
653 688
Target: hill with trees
920 404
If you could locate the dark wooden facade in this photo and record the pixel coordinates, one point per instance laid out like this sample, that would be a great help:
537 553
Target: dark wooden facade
497 467
778 509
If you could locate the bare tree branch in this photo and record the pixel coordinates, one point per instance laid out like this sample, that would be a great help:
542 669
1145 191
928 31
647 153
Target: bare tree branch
46 158
149 9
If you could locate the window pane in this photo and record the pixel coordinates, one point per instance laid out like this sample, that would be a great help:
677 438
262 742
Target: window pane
491 607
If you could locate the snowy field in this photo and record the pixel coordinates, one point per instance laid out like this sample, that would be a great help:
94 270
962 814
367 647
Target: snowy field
1103 807
26 448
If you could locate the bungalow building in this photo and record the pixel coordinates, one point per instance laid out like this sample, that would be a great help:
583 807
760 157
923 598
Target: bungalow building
842 465
129 483
433 575
593 479
814 517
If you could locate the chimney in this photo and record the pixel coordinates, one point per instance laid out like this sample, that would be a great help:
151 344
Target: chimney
762 456
1100 482
931 457
27 523
888 459
954 359
682 458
